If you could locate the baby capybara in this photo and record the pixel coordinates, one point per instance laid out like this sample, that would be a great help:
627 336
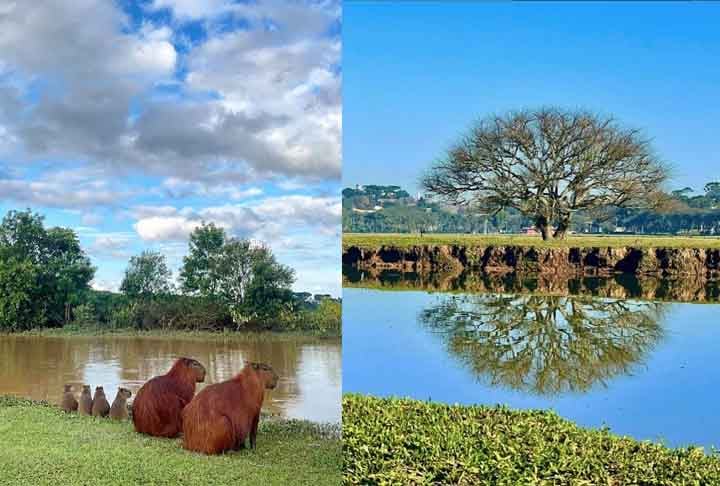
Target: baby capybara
85 406
119 410
100 405
159 402
221 416
68 403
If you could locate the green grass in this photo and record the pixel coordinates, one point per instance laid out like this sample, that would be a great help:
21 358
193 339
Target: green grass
402 441
43 446
243 336
403 240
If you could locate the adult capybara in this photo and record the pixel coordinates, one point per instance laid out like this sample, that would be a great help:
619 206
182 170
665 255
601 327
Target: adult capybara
68 402
85 406
100 405
221 416
159 402
119 410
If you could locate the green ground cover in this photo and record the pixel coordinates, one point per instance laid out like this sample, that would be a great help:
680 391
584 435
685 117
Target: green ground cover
402 441
41 445
401 240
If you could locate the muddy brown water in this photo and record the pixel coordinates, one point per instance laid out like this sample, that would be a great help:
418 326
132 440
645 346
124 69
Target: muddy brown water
310 369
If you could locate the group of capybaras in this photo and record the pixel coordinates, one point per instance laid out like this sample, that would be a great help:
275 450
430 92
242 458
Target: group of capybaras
218 419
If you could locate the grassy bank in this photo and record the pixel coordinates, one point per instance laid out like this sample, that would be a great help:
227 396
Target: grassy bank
43 446
221 335
402 240
394 441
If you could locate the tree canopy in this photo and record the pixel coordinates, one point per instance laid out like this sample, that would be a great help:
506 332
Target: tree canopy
147 275
549 164
242 275
43 272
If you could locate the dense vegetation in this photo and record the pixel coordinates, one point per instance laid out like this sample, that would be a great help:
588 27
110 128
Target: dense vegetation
43 446
401 441
387 209
225 283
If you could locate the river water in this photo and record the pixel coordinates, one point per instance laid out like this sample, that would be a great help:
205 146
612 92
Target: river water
646 368
309 369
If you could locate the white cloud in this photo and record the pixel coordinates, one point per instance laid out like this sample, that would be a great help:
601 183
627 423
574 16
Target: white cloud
159 228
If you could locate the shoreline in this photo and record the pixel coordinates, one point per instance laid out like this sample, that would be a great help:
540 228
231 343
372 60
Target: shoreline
222 335
576 256
104 451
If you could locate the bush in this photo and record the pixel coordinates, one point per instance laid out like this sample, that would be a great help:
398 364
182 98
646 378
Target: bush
402 441
325 318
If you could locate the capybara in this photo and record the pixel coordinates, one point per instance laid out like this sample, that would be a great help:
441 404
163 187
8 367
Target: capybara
158 404
68 403
119 410
100 405
221 416
85 406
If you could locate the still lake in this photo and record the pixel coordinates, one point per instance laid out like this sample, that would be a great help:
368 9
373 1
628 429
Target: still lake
646 368
309 369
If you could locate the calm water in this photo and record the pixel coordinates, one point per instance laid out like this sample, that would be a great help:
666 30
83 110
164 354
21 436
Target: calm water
644 368
309 370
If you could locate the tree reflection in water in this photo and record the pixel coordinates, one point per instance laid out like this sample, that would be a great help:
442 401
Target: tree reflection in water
546 345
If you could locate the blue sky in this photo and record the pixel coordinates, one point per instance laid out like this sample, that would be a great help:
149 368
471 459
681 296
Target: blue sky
417 74
133 121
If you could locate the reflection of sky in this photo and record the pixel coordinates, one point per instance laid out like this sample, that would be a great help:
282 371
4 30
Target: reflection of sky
319 381
670 394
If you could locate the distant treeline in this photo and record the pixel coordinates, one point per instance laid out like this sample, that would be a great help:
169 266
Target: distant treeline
390 209
224 283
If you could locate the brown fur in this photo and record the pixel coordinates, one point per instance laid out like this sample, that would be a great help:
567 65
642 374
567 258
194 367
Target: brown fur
119 410
85 406
69 403
159 403
222 416
100 405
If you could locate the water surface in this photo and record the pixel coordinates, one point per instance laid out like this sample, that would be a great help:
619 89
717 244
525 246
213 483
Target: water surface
643 367
309 369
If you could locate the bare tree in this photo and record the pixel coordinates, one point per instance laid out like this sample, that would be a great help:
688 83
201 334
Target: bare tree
548 164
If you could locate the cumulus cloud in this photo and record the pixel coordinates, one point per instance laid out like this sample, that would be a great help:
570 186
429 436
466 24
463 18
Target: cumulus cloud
268 220
258 102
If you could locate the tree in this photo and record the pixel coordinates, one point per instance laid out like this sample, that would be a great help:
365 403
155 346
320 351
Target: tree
147 276
199 274
243 276
44 272
548 164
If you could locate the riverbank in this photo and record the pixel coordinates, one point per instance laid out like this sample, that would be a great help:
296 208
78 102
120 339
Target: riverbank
577 255
43 446
220 335
402 441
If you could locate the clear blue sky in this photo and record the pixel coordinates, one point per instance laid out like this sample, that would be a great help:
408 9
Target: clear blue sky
416 74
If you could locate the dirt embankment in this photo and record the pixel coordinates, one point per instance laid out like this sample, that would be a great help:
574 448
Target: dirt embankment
699 262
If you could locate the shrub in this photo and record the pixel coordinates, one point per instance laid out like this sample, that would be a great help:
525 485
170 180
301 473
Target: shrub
402 441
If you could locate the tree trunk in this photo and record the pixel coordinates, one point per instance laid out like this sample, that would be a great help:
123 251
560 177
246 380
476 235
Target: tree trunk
541 223
562 229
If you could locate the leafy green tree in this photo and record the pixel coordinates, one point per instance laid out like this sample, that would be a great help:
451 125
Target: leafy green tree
147 276
244 277
44 272
201 267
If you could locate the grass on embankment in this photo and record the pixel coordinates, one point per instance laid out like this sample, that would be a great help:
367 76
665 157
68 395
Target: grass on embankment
41 445
401 441
222 335
403 240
